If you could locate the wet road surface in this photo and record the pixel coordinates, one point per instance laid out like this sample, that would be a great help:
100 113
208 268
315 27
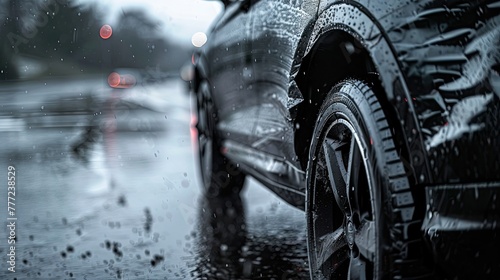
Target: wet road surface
107 187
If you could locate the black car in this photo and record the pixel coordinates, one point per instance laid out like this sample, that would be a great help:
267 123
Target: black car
381 119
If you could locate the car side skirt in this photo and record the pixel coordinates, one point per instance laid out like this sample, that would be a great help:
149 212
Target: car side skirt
274 172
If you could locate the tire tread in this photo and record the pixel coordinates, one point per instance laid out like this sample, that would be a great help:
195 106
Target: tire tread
407 259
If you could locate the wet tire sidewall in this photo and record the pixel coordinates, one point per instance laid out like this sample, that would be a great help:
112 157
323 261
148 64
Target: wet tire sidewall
346 101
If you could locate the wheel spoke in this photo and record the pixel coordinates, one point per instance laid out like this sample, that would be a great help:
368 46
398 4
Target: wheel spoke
357 269
354 163
365 239
336 149
335 168
332 244
353 173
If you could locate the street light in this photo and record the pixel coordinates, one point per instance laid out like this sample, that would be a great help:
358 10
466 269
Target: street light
199 39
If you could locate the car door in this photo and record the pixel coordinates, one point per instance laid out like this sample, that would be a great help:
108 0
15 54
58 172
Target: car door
259 124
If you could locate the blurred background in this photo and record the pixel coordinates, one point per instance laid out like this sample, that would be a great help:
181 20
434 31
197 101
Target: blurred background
62 38
96 117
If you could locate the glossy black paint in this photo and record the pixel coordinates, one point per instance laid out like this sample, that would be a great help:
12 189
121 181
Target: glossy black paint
435 66
250 53
450 57
442 83
462 228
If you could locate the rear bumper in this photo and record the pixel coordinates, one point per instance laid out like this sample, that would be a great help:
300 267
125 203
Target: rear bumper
462 228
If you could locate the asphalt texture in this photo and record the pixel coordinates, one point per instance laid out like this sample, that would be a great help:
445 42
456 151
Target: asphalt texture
107 187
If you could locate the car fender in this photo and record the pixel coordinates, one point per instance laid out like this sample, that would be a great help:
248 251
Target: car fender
354 19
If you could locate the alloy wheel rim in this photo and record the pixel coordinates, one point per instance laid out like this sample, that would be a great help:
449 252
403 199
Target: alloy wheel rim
344 232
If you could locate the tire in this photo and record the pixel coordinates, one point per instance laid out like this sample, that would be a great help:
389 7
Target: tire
359 208
220 177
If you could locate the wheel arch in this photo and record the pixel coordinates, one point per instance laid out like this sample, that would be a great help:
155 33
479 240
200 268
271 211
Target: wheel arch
347 42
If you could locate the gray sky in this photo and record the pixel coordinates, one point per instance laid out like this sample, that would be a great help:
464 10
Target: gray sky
180 18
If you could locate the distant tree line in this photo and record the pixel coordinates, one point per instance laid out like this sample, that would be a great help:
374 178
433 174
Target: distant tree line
63 34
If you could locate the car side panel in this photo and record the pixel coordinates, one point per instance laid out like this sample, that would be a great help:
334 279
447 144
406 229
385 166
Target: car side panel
260 111
254 95
224 57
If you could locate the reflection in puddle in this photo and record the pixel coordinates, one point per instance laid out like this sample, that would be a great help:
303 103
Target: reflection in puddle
268 248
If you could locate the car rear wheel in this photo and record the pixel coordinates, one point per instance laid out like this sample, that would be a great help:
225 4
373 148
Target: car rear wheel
360 210
220 176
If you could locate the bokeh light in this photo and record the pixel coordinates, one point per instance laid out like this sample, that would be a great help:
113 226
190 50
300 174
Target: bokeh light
106 32
114 79
199 39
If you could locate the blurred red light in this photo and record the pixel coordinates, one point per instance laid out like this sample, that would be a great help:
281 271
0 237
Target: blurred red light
106 32
194 132
114 80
